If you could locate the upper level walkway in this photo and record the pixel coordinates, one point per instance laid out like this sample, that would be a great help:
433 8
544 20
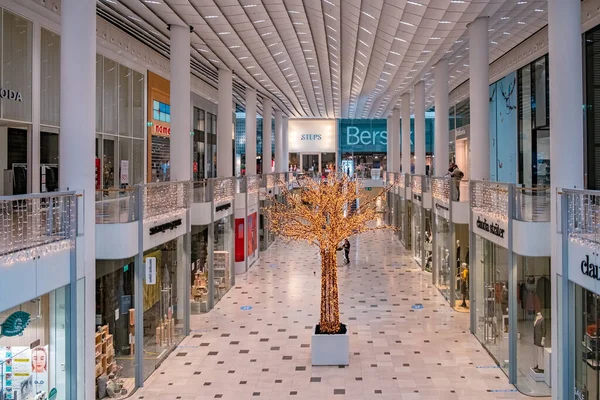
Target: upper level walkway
256 343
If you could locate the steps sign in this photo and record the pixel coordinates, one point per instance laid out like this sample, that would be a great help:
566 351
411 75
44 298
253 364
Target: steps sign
150 270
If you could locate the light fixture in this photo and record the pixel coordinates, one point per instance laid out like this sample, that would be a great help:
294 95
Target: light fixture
207 17
366 30
406 23
223 33
363 43
259 21
249 5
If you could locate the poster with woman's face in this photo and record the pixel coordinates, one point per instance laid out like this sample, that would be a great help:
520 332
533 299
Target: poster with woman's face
25 371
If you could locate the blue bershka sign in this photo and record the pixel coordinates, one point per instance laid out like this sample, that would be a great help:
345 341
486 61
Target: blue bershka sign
363 135
371 136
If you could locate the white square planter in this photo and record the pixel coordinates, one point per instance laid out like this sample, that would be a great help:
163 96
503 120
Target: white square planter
330 349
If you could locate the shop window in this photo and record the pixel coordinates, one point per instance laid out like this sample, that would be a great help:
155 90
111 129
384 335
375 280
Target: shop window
592 100
17 61
48 162
115 323
199 272
50 78
163 314
125 98
33 362
463 113
16 168
139 124
587 344
99 92
110 96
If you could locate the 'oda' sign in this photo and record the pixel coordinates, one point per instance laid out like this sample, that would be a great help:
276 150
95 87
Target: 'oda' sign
10 95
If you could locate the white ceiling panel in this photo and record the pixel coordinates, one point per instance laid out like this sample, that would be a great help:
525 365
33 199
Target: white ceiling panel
330 58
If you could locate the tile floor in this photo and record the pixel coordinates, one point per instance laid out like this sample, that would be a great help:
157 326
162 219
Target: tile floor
397 352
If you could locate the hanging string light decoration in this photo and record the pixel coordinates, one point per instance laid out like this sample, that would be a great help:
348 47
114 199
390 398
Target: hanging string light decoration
324 214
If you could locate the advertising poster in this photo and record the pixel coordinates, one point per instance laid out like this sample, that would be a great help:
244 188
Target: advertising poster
24 372
252 233
239 239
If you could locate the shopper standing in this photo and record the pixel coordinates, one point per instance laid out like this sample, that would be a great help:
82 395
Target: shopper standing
457 176
346 251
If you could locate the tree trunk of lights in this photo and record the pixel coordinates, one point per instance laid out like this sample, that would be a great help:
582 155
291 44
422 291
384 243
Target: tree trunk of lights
330 307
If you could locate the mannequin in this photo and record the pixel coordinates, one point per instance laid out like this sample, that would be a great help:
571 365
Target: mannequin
539 339
464 284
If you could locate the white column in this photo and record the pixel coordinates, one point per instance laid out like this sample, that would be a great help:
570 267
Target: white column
479 92
77 149
405 110
279 162
181 140
420 128
34 177
266 141
225 125
250 131
390 144
395 133
441 145
286 148
566 145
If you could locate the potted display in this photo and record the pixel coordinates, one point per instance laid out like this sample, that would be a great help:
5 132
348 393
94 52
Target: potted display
325 214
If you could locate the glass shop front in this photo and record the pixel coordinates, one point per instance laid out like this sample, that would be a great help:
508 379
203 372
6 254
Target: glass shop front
33 358
492 289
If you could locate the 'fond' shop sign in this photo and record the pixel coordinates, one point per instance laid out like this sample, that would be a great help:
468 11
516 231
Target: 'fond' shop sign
311 135
494 230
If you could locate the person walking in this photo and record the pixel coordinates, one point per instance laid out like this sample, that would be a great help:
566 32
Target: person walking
346 251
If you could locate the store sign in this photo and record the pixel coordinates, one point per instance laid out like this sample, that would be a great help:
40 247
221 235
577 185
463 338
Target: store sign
363 136
162 130
311 135
53 394
124 172
223 207
8 94
150 270
495 231
589 269
442 210
169 226
15 324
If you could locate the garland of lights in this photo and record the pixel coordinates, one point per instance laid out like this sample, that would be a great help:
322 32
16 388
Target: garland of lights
490 199
321 216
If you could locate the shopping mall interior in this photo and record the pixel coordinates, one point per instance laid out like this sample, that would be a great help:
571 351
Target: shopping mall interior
299 199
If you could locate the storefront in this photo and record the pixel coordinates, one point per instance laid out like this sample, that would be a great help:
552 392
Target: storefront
34 348
444 269
204 126
312 146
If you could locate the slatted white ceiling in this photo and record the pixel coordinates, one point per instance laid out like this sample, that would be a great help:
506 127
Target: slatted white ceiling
335 58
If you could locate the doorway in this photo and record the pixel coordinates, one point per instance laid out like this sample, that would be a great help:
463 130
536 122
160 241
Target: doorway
311 163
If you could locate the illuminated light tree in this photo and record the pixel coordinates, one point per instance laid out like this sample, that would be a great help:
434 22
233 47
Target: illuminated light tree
323 215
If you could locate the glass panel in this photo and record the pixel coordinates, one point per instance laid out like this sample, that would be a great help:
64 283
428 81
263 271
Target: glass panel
199 278
138 162
526 161
463 113
533 322
442 256
48 162
110 96
26 371
139 125
125 109
199 119
99 91
460 268
125 166
163 320
417 234
115 305
108 162
17 64
17 145
327 163
222 257
50 78
540 101
587 359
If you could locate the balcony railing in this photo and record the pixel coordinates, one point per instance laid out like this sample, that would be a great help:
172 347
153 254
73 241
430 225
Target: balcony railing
416 184
200 191
253 183
532 204
583 216
116 206
490 198
164 199
36 223
440 189
222 189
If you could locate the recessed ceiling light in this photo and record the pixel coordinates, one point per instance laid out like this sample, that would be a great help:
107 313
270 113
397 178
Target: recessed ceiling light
445 22
505 18
249 5
148 2
406 23
273 44
539 10
206 17
224 33
301 33
426 51
415 3
298 23
259 21
369 32
278 53
203 50
281 62
522 2
506 33
330 16
307 50
329 2
250 66
266 33
213 60
395 53
521 23
368 15
435 38
389 63
134 18
293 12
234 46
494 42
363 42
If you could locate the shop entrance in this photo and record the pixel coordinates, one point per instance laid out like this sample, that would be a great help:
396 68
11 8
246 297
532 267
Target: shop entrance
14 152
310 163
